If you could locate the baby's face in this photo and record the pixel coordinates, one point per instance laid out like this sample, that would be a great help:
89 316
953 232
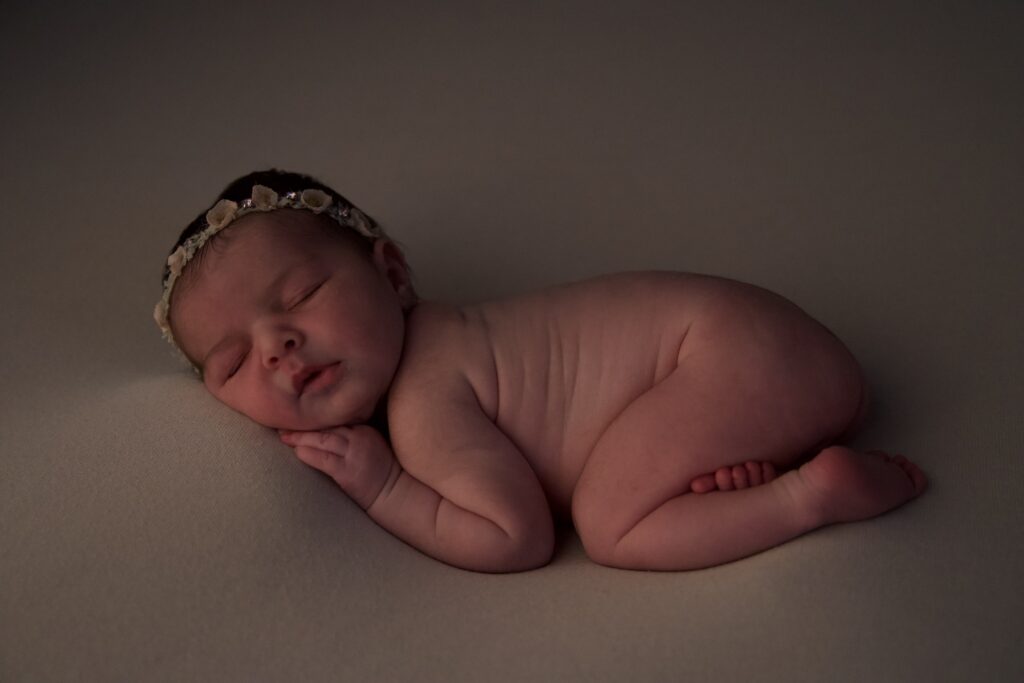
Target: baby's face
284 299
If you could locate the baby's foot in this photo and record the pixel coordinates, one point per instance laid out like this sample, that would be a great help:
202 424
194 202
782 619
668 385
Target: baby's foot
735 477
845 485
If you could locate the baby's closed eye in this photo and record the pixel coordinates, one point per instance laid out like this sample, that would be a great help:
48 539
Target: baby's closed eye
237 364
308 294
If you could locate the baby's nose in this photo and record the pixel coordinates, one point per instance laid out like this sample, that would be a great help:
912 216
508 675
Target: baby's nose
278 349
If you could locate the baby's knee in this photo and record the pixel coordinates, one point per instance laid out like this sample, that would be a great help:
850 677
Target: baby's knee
599 547
598 525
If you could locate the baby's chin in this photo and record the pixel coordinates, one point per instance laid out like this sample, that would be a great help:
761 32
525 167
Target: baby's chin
316 423
327 417
294 423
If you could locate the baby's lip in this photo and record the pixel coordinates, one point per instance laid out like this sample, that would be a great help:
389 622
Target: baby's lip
302 377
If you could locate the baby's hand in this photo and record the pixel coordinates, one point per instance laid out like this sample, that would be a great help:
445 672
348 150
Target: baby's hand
357 458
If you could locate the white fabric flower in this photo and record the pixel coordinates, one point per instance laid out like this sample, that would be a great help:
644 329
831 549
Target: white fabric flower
316 200
222 213
264 198
160 314
176 261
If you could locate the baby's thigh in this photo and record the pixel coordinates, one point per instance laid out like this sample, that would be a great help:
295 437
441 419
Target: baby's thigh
724 404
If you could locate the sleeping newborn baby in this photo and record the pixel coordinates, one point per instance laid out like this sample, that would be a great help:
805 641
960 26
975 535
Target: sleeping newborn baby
679 421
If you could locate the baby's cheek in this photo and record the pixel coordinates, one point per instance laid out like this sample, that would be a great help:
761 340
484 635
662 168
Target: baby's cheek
255 406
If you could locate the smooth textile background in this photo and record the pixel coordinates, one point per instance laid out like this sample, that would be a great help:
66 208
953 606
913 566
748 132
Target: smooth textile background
862 159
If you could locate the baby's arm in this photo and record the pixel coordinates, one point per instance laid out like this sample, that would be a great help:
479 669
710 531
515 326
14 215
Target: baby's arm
459 490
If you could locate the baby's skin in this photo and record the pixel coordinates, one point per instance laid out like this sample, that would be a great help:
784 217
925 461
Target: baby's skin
679 421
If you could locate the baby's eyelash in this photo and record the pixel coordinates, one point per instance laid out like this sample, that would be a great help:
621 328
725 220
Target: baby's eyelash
309 294
237 365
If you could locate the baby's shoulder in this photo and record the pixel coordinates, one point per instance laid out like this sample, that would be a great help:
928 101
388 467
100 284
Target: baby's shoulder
438 335
446 350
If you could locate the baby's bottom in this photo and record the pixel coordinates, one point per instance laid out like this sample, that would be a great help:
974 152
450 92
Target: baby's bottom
633 506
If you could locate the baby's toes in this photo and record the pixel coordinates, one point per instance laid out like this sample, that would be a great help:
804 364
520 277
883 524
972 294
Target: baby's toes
703 484
723 479
739 477
767 472
754 475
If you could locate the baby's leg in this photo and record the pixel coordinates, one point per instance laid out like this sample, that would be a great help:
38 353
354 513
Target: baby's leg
695 531
632 507
750 473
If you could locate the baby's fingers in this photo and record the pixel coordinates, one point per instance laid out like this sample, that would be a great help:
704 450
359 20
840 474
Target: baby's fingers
322 451
325 461
325 441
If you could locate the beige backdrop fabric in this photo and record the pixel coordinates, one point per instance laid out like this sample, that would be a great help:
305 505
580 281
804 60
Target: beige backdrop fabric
862 159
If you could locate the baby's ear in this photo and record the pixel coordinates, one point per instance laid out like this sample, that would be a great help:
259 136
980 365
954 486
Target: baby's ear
391 262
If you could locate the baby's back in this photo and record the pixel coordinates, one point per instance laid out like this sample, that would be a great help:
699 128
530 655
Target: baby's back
552 368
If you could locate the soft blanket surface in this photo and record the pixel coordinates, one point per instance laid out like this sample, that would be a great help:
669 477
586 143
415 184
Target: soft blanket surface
863 161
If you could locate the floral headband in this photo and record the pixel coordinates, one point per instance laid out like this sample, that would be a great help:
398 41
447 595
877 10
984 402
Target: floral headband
225 211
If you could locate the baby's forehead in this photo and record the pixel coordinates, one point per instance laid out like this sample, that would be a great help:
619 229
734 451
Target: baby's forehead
250 248
285 228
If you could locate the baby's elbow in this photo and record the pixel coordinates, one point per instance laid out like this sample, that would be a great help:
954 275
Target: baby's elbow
520 542
518 551
518 557
514 546
507 557
532 554
532 548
